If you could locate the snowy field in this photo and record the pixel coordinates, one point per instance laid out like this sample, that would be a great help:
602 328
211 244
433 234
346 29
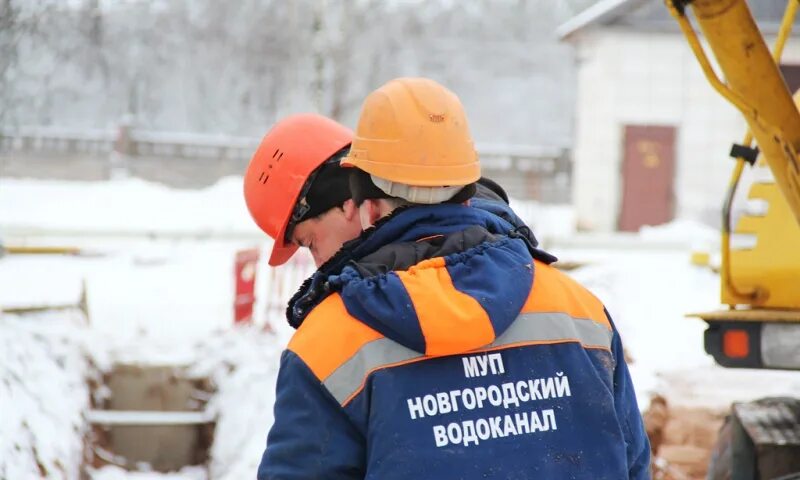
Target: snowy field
158 273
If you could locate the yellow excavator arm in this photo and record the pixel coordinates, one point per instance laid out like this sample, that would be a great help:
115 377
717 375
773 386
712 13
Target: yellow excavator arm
753 82
761 284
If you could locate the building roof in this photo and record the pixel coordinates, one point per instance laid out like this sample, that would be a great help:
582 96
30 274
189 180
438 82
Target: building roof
652 15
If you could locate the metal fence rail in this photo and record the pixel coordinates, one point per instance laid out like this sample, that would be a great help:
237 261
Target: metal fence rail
194 160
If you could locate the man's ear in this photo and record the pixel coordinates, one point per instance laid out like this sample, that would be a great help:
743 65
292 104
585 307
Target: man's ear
350 210
369 213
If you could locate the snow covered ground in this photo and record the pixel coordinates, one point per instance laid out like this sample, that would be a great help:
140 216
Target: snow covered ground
43 392
155 298
649 292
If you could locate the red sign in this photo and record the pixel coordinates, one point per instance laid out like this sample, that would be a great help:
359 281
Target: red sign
245 270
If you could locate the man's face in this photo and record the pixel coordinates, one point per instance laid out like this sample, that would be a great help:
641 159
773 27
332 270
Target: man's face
325 234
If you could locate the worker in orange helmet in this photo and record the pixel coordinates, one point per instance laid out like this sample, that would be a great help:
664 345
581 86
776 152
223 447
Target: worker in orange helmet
298 193
441 343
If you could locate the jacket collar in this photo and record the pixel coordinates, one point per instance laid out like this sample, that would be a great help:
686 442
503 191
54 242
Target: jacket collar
406 224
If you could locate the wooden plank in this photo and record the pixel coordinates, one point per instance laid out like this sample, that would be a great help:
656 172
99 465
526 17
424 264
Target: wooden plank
148 417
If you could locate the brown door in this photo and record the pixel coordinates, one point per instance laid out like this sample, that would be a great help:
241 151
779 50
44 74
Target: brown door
648 172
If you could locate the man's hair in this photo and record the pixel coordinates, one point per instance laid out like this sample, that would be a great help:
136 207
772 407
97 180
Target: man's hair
325 189
329 189
363 188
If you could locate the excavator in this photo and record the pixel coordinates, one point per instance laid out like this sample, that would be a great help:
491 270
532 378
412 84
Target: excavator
760 285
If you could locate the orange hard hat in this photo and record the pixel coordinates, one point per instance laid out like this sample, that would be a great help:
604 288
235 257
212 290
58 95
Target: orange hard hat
414 131
287 157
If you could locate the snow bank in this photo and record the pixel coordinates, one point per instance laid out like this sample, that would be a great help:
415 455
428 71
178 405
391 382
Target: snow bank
649 295
149 300
548 221
695 234
125 205
243 363
717 388
43 393
48 358
38 281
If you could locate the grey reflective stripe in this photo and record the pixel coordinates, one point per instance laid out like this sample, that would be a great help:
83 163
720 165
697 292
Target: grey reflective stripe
528 327
544 327
347 379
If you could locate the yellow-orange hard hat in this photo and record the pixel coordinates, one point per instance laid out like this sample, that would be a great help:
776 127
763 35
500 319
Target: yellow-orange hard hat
414 132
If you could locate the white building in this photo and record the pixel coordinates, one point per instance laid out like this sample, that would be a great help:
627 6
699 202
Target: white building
651 136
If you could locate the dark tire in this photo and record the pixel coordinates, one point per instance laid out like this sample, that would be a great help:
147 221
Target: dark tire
735 456
720 465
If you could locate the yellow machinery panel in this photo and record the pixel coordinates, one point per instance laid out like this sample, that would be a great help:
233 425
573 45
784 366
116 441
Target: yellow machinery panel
773 265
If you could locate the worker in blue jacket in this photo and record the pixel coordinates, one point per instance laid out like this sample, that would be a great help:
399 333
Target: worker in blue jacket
440 343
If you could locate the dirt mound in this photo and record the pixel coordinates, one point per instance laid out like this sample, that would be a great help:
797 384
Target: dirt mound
681 438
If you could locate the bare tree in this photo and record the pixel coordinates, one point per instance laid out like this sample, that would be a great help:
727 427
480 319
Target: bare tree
235 67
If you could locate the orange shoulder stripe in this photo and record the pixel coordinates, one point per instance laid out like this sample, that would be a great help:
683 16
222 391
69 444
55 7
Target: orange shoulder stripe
554 291
330 336
451 321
